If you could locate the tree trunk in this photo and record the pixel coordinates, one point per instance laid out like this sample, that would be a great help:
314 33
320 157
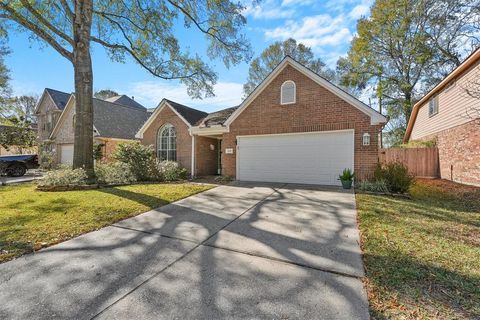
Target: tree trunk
82 64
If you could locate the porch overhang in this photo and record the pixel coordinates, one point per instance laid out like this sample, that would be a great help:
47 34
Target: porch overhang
208 131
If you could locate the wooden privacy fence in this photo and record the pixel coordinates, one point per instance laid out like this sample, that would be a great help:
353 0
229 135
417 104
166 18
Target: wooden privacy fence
421 162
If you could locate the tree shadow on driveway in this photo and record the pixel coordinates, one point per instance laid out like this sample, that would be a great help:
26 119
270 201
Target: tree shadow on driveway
156 275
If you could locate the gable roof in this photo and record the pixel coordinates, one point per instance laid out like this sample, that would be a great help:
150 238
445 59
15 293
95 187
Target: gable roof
473 58
59 98
375 116
111 120
191 115
188 115
126 101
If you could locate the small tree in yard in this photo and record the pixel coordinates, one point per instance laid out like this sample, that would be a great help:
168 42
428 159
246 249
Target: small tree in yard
142 30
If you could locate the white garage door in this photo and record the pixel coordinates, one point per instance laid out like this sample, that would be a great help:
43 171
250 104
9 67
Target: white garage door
311 158
66 153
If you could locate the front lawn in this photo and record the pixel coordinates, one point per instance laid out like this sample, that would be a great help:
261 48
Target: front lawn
422 256
30 219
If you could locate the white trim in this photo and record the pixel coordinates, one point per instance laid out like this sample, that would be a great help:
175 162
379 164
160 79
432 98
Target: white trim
293 133
62 116
294 93
161 105
192 173
375 117
205 131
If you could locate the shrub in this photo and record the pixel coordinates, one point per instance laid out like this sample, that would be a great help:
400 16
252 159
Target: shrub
114 173
373 186
64 177
139 158
47 160
396 176
171 171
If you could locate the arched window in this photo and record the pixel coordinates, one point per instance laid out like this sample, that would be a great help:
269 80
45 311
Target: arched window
288 92
166 143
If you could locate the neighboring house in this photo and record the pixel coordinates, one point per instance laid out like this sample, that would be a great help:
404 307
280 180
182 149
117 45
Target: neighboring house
113 123
48 110
295 127
450 115
126 101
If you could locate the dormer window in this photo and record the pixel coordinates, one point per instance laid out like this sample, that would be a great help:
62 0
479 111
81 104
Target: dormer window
288 92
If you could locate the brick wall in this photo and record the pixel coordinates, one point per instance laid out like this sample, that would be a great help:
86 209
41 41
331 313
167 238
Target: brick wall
459 152
316 109
206 159
47 106
184 140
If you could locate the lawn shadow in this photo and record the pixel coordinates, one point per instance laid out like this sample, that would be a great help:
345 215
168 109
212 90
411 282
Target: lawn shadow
141 198
409 282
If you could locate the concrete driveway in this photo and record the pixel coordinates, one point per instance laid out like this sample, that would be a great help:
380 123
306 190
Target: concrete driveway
30 176
242 251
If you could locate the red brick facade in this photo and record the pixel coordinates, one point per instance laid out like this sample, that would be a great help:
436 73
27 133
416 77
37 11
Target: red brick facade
184 140
206 156
316 109
459 152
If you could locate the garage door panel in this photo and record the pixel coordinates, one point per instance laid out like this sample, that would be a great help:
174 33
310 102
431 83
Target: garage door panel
66 153
313 158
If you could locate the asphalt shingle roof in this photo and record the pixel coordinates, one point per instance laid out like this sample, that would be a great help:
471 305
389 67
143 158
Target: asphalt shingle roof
189 114
59 98
126 101
114 120
217 118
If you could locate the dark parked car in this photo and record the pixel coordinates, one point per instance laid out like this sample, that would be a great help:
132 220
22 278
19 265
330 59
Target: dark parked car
17 165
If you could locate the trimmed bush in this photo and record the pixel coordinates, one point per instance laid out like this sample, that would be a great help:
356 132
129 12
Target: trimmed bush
396 176
171 171
64 177
139 158
114 173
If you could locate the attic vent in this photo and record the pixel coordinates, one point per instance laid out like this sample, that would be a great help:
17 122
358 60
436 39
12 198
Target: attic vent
288 92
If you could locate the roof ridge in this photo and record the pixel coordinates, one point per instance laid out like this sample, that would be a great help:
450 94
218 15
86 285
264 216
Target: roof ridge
121 105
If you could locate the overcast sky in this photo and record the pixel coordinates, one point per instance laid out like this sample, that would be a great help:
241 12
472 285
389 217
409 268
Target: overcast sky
326 26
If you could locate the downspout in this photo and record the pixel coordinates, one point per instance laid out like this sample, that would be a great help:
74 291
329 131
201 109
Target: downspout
193 156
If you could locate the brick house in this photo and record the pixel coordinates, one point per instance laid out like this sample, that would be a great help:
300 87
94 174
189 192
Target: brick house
48 110
450 115
295 127
113 123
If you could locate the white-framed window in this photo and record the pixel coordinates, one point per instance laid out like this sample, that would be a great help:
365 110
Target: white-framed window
167 143
288 94
433 106
366 139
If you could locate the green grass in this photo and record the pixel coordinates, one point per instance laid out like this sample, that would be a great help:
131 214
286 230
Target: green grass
30 219
422 256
